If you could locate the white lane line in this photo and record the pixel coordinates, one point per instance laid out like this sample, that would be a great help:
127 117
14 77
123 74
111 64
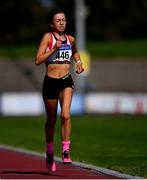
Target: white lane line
77 164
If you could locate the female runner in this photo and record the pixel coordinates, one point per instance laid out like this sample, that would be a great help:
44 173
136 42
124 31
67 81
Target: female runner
56 50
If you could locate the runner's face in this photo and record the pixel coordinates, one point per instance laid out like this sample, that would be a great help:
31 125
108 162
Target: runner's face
59 22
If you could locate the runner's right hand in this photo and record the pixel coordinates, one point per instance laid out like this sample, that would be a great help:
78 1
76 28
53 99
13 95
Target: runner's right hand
58 44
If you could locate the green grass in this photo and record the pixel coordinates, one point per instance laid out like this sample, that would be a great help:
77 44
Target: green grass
18 51
132 49
127 49
114 142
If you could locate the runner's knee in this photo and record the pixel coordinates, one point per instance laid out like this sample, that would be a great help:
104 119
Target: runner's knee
65 117
51 122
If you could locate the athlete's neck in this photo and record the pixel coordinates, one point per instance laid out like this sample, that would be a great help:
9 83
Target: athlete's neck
60 36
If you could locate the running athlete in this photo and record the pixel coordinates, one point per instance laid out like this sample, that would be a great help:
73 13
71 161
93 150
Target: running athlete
56 50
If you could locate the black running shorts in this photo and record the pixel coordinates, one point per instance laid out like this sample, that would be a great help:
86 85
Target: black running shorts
53 86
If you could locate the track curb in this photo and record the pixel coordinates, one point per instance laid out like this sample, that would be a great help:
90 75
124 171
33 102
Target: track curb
77 164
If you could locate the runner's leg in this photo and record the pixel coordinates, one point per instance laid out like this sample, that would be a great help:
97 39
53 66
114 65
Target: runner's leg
65 102
51 113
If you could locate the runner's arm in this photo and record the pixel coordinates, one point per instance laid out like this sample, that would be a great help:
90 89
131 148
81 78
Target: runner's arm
76 56
42 54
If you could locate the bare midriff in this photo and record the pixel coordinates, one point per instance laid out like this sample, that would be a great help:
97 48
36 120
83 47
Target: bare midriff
57 70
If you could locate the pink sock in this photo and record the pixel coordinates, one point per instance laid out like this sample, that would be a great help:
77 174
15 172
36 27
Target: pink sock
65 145
50 148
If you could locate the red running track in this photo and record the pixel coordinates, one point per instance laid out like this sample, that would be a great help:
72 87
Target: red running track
19 165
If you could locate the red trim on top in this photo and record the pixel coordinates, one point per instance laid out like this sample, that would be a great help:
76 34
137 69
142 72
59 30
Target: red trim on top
51 41
69 40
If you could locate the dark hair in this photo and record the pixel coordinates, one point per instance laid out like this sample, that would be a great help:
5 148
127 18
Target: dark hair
52 13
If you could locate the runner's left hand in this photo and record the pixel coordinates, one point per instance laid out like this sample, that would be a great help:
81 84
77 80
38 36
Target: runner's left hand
79 68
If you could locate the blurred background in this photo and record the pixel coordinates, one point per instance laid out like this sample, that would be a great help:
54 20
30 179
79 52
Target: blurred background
109 106
112 40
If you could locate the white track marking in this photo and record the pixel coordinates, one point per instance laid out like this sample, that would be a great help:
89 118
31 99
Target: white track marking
77 164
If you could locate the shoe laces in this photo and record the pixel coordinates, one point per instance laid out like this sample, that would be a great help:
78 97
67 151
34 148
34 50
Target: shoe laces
66 154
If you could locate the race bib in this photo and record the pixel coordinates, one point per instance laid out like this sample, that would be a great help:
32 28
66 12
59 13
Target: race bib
64 53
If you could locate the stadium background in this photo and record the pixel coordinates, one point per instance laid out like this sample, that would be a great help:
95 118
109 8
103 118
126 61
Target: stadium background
115 85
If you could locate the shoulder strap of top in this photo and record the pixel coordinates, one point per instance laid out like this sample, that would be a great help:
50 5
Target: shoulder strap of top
68 37
51 41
